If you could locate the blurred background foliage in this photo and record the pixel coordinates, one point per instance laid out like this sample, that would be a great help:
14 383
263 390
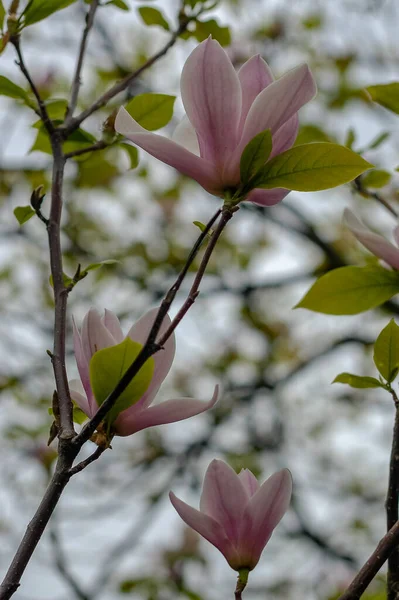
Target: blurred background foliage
114 534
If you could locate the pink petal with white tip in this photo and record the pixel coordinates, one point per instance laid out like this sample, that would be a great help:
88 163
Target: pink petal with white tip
163 359
94 335
169 152
77 394
263 513
224 497
205 525
249 481
255 75
113 325
267 197
277 103
211 95
372 241
131 421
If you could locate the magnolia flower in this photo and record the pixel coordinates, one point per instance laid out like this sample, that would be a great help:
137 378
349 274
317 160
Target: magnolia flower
236 514
378 245
226 110
102 332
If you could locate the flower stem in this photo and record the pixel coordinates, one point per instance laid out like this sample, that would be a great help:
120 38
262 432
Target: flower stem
242 581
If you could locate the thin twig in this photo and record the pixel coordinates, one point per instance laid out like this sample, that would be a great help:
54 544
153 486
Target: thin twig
76 82
87 461
359 187
41 106
194 291
38 524
60 293
373 565
391 506
100 145
125 82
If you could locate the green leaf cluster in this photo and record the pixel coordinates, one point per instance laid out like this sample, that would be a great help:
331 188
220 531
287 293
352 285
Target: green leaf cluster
386 359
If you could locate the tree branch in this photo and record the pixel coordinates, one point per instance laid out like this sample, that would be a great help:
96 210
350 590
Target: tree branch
100 145
194 291
85 463
125 82
60 293
373 565
41 106
39 522
150 347
391 506
76 82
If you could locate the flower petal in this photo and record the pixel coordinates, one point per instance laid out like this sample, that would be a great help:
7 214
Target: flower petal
204 525
169 152
278 103
211 95
372 241
267 197
170 411
254 76
163 359
77 394
285 136
95 336
113 325
224 498
249 481
263 513
396 235
81 361
185 136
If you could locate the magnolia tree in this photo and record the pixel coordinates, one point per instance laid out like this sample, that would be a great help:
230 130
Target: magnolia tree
238 140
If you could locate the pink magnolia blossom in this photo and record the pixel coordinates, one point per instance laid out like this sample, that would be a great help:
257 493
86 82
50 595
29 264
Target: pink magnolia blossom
102 332
236 514
226 110
377 245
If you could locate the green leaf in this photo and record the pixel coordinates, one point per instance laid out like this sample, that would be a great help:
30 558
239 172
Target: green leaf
255 154
10 89
151 111
203 29
98 265
350 138
37 10
312 167
79 416
132 153
387 95
380 139
23 214
152 16
2 14
107 367
356 381
311 133
376 178
119 4
386 351
351 290
68 281
78 139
